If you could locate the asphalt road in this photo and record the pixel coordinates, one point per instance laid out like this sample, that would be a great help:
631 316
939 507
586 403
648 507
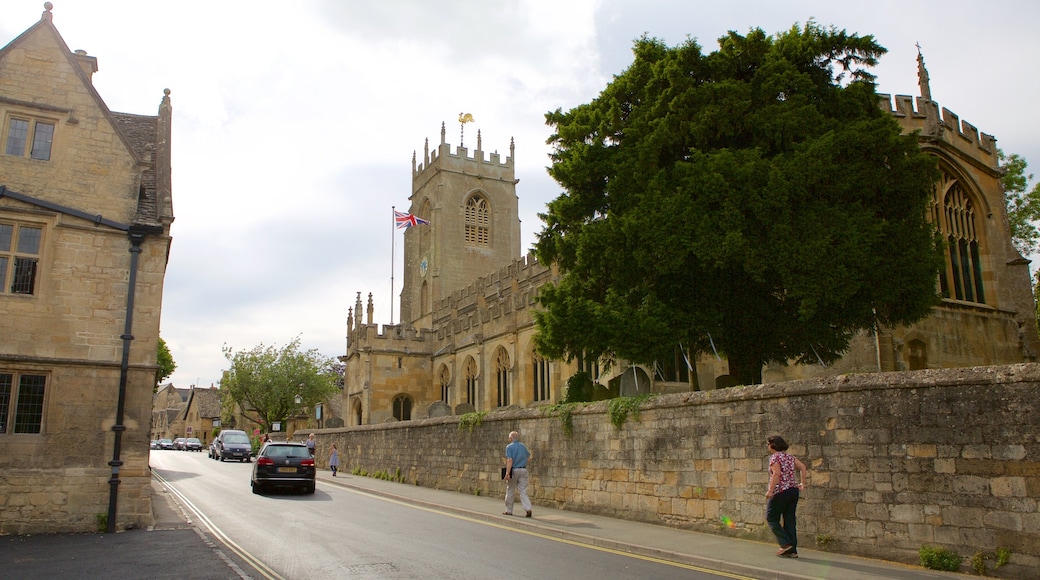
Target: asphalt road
346 533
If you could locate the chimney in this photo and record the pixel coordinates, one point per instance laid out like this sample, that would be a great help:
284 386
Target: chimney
87 63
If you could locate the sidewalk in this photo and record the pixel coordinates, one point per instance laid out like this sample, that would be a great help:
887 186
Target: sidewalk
159 552
747 558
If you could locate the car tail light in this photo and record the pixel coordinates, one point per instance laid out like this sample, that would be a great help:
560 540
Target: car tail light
265 461
307 463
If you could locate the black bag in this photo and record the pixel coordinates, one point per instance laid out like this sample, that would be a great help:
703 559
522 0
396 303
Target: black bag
504 473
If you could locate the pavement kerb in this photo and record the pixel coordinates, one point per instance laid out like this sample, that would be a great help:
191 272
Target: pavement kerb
533 526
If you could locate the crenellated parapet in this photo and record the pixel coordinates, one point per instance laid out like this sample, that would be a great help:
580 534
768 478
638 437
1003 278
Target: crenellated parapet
462 161
388 338
368 336
510 291
921 114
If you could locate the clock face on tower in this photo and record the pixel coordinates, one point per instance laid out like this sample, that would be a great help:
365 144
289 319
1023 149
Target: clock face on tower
424 265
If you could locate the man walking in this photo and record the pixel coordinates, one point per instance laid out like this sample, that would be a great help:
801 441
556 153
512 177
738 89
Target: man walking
517 457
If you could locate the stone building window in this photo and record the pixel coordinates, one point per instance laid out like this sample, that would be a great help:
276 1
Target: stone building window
29 137
471 382
21 408
502 376
540 378
953 212
478 221
445 380
403 408
19 257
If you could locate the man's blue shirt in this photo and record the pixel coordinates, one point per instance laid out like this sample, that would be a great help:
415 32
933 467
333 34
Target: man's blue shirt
518 452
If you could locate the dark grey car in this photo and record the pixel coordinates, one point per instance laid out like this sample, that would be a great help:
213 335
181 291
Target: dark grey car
284 465
232 444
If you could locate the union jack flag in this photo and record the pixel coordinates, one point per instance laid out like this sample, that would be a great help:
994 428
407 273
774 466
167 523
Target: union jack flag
407 220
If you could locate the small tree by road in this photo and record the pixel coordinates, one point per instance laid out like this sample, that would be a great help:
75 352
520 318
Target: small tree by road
265 381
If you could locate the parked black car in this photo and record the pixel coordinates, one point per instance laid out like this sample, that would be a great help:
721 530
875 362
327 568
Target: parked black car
283 465
192 444
232 444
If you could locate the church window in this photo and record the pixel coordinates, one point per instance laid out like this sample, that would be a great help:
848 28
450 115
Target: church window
471 382
540 378
19 141
403 408
953 210
21 408
502 376
445 384
19 257
478 221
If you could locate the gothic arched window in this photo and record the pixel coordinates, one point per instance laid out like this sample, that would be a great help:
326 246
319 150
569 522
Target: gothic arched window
478 221
953 211
471 382
445 380
502 376
540 378
403 408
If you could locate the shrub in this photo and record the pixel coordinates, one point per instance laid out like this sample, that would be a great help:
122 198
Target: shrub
471 421
579 388
1002 554
940 559
621 407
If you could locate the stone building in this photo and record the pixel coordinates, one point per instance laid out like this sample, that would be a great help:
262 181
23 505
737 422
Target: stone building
464 341
85 214
168 405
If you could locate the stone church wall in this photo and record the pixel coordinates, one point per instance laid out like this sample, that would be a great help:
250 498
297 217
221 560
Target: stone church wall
898 460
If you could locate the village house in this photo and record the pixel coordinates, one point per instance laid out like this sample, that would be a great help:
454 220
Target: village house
85 215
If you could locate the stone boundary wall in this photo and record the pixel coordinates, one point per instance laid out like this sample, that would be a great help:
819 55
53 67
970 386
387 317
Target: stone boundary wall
947 458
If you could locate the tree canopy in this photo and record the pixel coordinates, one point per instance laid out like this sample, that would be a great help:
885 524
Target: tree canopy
754 201
1023 204
265 381
164 359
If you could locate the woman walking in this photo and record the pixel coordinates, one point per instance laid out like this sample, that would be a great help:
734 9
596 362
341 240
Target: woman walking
783 495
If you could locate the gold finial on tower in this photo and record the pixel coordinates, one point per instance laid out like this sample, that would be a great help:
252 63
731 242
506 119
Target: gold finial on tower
463 119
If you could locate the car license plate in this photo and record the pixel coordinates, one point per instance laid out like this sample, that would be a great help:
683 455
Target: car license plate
286 470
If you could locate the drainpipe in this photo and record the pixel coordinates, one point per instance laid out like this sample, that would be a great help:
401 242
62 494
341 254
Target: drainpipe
137 236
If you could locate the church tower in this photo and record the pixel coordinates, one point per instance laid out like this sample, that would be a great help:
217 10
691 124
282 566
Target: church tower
474 227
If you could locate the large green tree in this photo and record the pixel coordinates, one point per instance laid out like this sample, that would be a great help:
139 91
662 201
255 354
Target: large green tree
265 381
754 201
164 359
1023 204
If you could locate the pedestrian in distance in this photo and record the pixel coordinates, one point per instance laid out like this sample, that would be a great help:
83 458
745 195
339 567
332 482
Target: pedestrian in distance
782 494
516 475
333 459
311 442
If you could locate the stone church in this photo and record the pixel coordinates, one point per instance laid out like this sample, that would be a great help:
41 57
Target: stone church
85 214
464 341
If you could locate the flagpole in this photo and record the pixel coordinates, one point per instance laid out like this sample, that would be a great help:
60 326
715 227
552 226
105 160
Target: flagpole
393 243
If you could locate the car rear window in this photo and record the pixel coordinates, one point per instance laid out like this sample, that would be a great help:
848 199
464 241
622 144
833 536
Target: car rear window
287 451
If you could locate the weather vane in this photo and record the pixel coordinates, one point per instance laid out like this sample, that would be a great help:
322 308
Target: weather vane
463 119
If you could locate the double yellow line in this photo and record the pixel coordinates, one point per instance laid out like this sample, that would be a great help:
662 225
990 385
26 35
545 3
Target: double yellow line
261 568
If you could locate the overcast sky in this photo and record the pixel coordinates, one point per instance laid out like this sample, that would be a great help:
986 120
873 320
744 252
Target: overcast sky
294 122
